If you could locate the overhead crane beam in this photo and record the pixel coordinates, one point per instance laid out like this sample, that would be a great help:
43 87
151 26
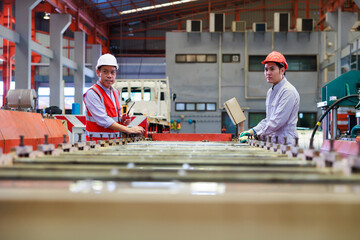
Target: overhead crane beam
88 17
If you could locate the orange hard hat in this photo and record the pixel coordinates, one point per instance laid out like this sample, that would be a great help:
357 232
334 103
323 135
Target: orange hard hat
275 56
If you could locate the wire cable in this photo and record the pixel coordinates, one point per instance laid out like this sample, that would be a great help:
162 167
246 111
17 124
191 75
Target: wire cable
325 113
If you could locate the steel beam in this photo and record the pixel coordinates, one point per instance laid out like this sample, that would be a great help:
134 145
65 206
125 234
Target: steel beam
22 48
89 73
9 34
95 54
40 49
58 24
79 77
67 62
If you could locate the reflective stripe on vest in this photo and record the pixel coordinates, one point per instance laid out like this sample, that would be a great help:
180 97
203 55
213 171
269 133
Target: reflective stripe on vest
91 119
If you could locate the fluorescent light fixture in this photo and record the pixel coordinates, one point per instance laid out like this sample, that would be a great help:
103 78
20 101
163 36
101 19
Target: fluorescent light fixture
155 6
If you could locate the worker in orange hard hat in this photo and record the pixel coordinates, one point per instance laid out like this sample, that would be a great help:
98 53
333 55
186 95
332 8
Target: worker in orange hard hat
282 103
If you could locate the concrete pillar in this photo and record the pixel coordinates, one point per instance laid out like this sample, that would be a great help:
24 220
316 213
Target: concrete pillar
22 48
58 24
79 78
341 22
95 54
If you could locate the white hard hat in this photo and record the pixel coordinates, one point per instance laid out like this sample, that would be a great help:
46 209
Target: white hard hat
107 60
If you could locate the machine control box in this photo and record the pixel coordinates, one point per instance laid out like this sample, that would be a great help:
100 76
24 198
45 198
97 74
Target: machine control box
346 84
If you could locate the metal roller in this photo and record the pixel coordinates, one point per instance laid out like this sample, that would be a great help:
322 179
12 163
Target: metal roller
21 98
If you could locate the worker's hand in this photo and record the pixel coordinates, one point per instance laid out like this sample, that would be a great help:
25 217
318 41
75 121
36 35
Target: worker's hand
136 130
247 133
243 139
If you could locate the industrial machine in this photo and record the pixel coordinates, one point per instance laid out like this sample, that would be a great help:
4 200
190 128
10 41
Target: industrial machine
341 93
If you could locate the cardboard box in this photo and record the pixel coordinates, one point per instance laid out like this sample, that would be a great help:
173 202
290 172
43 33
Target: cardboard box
235 113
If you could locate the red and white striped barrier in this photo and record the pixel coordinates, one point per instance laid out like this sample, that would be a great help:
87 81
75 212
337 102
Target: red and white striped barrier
77 123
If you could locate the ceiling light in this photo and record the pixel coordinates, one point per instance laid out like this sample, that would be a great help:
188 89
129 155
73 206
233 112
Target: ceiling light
46 16
155 6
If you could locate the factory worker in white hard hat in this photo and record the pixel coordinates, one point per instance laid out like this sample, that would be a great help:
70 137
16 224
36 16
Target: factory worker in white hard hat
102 101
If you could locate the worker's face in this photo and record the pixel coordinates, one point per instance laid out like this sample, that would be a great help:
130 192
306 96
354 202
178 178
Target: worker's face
106 75
273 73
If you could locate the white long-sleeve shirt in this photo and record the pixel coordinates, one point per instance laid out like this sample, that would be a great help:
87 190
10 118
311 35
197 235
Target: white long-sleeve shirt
282 106
96 106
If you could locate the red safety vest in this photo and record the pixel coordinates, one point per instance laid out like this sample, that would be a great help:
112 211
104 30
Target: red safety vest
114 112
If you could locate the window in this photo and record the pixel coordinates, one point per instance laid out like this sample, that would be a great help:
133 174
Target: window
255 118
180 58
201 58
231 58
135 94
200 106
44 97
211 107
306 63
12 86
190 107
306 119
181 106
211 58
301 63
190 58
124 94
255 63
195 58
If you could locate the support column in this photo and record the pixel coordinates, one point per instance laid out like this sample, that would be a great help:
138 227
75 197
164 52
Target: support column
333 123
22 49
341 22
95 54
338 51
58 24
325 125
79 78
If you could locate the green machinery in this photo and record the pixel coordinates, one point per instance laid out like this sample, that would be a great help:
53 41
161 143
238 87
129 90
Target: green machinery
345 85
